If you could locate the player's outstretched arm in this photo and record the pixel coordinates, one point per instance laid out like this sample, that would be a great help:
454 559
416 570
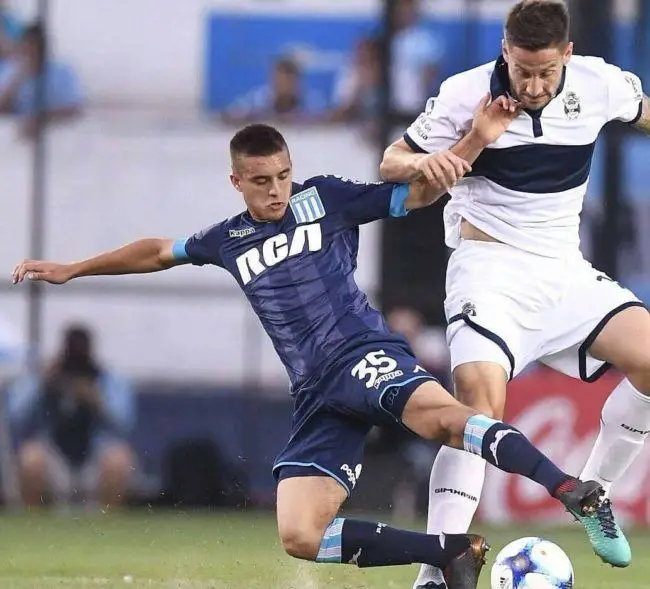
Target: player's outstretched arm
139 257
643 124
491 119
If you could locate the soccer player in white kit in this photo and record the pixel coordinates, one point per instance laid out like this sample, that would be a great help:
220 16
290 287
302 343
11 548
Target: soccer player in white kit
518 287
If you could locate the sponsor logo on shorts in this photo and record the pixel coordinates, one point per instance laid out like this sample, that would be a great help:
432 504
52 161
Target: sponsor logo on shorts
241 232
353 475
456 492
387 377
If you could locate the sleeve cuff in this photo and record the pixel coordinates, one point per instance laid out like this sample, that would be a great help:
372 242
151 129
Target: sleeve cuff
398 200
178 250
638 116
412 144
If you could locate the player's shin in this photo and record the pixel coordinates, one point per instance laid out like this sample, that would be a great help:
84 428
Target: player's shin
505 447
372 544
625 424
455 488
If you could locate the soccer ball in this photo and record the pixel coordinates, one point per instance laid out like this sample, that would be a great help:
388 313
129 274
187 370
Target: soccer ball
532 563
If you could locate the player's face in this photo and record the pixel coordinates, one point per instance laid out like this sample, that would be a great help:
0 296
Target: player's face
535 76
265 183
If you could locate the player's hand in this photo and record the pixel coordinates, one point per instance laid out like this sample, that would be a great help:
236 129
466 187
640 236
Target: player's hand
41 271
493 117
442 170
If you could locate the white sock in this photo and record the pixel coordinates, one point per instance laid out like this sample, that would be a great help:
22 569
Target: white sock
625 424
454 491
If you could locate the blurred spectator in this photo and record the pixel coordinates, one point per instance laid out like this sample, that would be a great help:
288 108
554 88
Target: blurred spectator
22 75
74 421
356 93
10 31
284 99
416 54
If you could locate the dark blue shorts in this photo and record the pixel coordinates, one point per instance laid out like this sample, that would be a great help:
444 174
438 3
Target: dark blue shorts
333 415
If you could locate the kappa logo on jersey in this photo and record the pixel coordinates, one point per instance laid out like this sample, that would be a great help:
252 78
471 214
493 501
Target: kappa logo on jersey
307 206
241 232
572 105
276 249
376 367
353 475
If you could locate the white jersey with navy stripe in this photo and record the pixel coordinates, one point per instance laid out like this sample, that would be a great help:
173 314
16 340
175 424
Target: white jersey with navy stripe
527 189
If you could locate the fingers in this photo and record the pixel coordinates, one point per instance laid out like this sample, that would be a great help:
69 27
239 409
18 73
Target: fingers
27 269
445 169
507 104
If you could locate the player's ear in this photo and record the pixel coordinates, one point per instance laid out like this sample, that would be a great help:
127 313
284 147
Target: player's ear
235 180
504 49
568 52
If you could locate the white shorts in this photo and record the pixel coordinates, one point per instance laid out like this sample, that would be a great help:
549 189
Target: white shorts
511 307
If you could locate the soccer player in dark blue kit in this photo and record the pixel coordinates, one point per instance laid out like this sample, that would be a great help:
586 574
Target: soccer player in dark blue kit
294 253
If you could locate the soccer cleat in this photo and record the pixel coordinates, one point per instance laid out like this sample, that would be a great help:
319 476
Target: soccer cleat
586 502
581 498
606 537
431 585
463 572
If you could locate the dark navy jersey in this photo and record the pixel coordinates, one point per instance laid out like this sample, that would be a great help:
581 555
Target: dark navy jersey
298 273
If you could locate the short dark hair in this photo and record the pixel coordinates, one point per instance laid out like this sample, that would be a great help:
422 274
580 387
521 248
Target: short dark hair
257 140
538 24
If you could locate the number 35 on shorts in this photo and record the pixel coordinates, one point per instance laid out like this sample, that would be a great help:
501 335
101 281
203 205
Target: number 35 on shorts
376 367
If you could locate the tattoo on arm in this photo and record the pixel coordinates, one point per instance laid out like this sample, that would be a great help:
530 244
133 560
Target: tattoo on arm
643 124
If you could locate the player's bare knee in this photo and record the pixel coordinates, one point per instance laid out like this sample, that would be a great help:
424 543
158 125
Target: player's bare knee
301 540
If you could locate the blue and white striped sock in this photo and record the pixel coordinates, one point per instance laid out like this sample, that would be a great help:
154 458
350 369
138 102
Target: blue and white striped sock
505 447
475 430
330 546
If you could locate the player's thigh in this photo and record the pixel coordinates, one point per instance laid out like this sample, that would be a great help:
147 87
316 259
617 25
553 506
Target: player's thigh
624 342
306 505
432 413
482 364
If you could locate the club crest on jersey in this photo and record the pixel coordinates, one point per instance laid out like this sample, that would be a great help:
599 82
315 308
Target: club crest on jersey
572 106
307 206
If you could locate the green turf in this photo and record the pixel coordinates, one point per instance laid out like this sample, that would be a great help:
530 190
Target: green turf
216 551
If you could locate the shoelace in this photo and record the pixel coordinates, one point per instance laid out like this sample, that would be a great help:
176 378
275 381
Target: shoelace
606 520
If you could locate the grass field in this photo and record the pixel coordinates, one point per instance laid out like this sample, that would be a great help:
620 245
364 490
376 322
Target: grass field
218 551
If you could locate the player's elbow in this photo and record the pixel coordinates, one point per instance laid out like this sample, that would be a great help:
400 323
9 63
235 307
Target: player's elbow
387 169
398 163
